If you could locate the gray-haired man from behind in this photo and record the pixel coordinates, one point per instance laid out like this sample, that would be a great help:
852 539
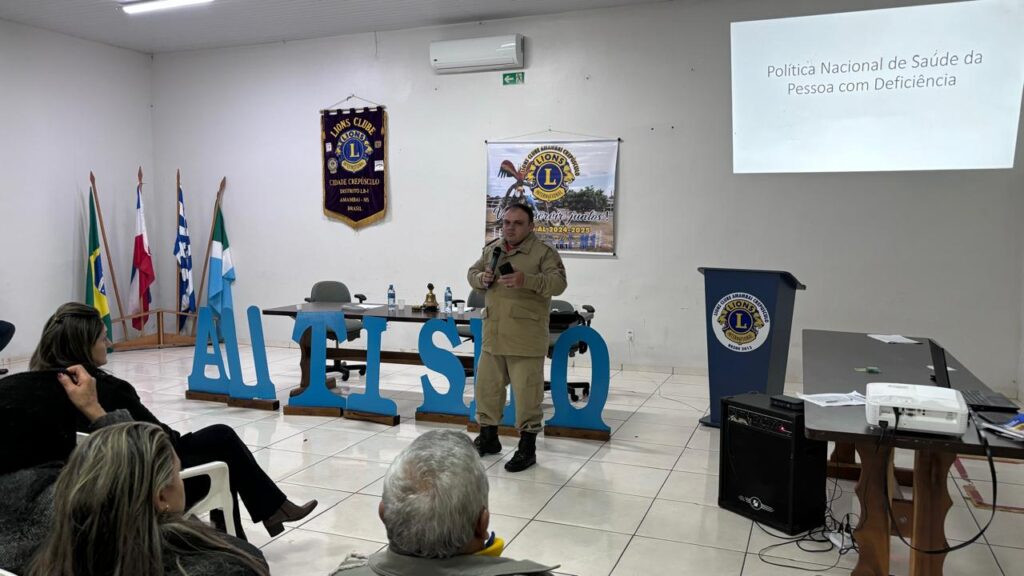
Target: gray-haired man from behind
435 510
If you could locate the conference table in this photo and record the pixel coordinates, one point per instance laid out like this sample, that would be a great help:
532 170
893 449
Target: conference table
358 312
830 360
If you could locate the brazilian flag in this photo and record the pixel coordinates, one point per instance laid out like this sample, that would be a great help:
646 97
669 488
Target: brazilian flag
95 286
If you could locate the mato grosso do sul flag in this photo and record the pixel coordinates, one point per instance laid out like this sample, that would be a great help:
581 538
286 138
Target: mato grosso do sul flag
222 268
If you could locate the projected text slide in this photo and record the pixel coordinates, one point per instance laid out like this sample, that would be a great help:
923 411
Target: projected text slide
921 88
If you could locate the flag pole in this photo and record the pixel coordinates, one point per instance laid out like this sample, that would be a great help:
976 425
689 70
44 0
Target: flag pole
177 263
209 246
175 338
106 248
142 331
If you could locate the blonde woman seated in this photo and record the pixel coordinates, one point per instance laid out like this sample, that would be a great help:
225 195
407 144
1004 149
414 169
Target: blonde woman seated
117 509
75 335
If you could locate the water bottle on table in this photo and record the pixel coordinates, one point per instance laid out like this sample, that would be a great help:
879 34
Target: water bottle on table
448 300
391 297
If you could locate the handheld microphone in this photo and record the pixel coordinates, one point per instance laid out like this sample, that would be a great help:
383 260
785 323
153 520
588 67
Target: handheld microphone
494 259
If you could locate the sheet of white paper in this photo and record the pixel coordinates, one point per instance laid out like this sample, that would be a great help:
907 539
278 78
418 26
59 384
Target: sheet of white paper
852 399
893 339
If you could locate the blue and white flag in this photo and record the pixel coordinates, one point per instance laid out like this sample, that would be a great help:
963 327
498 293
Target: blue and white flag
183 254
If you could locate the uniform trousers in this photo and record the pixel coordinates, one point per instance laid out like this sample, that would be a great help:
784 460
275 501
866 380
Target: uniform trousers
526 374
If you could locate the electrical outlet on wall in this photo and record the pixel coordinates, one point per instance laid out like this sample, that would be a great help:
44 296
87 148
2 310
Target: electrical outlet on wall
629 335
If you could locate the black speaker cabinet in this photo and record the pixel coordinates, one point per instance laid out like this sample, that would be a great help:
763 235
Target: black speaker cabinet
769 471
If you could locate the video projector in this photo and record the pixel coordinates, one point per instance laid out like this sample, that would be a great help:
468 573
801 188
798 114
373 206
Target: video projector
920 408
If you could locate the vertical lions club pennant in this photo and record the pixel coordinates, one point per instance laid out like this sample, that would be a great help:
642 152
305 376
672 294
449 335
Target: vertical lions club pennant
354 147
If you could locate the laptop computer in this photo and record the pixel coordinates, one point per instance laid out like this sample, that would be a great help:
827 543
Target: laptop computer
977 400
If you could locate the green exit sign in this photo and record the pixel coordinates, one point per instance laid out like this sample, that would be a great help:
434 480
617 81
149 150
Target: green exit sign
513 78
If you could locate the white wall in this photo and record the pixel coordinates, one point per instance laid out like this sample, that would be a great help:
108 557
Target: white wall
67 106
920 253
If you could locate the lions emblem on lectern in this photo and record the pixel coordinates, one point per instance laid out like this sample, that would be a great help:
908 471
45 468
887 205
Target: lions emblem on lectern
741 322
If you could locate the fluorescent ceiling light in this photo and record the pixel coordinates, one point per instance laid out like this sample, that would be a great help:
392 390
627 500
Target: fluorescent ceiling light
153 5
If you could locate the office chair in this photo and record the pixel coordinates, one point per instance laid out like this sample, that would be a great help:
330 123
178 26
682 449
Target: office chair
563 317
474 300
331 291
6 333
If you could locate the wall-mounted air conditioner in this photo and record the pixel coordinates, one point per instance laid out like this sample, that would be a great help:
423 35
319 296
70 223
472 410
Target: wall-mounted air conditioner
476 54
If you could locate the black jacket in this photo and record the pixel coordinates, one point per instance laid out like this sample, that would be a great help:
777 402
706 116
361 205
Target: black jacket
37 435
116 394
37 421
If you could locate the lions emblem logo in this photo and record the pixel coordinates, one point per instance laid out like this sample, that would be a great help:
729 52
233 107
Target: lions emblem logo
548 171
354 150
741 322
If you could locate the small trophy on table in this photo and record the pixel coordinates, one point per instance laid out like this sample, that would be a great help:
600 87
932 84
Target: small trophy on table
430 303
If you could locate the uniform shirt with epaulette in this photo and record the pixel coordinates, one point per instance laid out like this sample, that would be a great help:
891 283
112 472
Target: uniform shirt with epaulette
388 563
516 319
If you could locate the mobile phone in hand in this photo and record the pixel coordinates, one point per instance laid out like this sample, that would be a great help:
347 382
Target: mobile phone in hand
506 268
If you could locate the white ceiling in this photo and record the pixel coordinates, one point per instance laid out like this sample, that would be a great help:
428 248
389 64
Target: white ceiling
239 22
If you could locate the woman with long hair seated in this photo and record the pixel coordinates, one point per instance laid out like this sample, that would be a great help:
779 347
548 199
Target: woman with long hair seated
75 334
117 509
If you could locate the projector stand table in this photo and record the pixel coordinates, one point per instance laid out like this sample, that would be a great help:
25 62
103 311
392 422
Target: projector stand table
829 362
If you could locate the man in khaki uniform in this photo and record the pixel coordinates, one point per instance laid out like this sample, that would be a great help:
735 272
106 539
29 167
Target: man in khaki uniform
515 339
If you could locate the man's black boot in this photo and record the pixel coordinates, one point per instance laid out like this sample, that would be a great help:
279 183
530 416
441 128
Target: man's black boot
487 442
526 454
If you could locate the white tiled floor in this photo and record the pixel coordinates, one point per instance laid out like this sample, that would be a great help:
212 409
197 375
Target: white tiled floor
643 503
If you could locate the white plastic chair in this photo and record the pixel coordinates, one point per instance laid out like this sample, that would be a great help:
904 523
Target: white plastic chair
219 496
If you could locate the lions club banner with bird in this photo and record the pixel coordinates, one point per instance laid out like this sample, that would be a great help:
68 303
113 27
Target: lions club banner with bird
569 184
